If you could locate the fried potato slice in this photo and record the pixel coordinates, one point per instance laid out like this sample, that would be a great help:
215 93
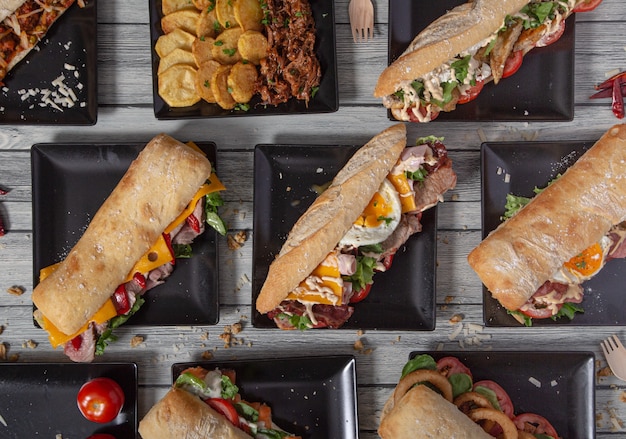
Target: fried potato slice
219 87
204 4
252 46
177 86
202 50
185 19
204 78
226 13
225 46
242 82
249 14
177 39
176 56
169 6
208 25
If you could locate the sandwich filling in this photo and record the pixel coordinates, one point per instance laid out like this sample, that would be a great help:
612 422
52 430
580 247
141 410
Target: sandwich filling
417 182
460 80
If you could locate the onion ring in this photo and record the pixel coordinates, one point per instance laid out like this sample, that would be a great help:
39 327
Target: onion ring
420 376
468 401
509 430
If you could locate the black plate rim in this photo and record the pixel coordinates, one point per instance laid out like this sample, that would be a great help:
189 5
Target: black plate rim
568 105
212 312
89 116
342 362
427 235
162 111
586 361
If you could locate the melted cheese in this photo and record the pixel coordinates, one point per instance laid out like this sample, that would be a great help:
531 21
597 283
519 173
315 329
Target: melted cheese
407 195
324 285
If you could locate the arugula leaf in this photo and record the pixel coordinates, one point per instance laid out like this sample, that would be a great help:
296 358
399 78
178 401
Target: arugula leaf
189 379
213 201
537 13
371 248
363 274
461 383
107 336
302 322
428 139
461 68
182 250
528 321
417 175
229 389
568 310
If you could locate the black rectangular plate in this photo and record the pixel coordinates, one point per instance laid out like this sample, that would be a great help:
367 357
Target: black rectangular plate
541 90
314 397
531 164
569 405
70 182
72 40
326 99
402 298
39 399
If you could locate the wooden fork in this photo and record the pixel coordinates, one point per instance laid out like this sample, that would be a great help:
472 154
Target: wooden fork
615 354
361 19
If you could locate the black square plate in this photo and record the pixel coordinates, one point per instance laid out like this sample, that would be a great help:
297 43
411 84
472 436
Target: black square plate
533 164
326 99
39 399
70 182
71 41
566 396
402 298
314 397
542 89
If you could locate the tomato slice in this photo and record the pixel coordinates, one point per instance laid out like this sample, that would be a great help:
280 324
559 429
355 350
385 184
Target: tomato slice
506 405
538 313
535 424
225 408
451 365
587 5
361 294
471 93
100 400
433 114
554 36
513 63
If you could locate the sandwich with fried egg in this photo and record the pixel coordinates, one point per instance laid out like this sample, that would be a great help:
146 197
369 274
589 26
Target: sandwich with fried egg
535 262
23 24
353 230
477 42
130 246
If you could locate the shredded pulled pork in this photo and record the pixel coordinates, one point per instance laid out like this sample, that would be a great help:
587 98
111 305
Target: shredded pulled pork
291 67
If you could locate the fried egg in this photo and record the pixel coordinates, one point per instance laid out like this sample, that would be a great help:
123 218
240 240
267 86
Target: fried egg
379 219
584 265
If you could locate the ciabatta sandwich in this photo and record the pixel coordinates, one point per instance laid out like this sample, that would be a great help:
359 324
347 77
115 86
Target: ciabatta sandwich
206 404
536 261
353 229
477 42
23 23
157 208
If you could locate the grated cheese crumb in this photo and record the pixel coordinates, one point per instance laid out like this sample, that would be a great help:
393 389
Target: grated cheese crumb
535 382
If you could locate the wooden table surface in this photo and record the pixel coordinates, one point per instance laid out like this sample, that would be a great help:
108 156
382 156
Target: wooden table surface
125 114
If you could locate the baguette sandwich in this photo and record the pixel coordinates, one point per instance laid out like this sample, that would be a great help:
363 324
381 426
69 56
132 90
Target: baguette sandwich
535 262
206 404
23 23
480 41
439 399
130 246
353 229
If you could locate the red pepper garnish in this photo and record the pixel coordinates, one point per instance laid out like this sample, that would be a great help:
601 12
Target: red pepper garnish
609 82
120 300
618 99
608 92
168 241
77 342
140 279
193 223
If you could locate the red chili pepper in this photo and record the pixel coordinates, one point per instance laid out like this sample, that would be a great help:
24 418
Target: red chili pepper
618 99
140 279
193 223
608 92
168 241
121 300
3 192
609 82
77 342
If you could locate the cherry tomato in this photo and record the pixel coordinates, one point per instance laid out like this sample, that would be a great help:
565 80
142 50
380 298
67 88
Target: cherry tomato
225 408
587 5
362 294
554 36
506 405
513 63
534 424
451 365
100 400
471 93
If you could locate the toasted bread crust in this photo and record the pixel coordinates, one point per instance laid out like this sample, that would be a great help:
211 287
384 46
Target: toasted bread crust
155 189
573 213
456 31
331 215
